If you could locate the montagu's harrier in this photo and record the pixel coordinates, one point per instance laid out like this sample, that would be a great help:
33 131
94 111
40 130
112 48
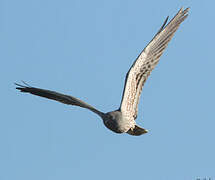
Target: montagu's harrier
122 120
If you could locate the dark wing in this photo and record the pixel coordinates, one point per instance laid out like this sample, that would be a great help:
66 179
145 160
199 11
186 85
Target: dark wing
57 97
145 63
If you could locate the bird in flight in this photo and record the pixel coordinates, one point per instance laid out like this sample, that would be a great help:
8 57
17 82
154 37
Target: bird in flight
123 119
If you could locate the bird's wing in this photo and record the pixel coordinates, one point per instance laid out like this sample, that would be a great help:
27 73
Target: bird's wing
145 63
57 97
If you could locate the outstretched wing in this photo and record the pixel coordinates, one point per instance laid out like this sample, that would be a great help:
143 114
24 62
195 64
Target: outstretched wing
57 97
145 63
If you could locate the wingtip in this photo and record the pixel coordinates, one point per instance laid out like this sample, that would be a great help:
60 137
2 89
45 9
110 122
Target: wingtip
186 10
182 10
22 86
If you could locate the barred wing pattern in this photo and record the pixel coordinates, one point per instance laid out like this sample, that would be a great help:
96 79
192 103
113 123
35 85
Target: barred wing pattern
66 99
145 63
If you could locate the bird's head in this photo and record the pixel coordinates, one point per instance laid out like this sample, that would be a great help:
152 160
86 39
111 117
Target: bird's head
113 115
112 121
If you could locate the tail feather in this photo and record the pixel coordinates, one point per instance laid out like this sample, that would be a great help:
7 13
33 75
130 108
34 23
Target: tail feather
137 131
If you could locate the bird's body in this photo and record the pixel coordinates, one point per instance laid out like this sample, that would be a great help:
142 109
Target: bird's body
122 120
117 122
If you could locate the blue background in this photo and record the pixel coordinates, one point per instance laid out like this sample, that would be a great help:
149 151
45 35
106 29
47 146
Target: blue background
84 48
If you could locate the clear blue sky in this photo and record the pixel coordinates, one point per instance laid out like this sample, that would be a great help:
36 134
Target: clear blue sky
85 48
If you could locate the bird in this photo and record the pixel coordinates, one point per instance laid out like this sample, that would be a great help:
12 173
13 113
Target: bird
123 119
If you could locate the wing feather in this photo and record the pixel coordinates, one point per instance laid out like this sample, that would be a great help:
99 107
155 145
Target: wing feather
145 63
70 100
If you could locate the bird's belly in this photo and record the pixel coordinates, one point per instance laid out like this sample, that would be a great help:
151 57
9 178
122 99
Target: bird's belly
118 126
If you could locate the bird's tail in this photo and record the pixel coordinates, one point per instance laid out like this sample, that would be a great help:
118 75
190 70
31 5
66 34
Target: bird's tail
137 131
